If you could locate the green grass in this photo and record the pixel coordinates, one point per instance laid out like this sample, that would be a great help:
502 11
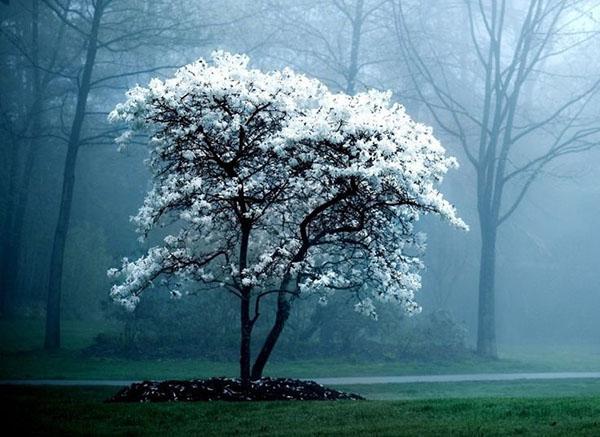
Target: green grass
559 407
505 389
573 357
21 357
80 411
72 365
21 335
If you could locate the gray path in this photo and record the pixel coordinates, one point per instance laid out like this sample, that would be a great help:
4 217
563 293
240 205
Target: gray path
474 377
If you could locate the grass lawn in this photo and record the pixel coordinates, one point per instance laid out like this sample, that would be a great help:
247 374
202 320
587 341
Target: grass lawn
73 411
496 389
72 365
473 408
21 357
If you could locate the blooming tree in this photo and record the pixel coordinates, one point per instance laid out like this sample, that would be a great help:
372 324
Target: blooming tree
272 184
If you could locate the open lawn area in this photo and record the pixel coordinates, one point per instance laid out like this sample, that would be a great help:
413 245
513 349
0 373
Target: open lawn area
466 390
72 365
543 407
21 357
72 411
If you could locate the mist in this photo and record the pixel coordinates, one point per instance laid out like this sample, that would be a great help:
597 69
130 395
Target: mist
510 89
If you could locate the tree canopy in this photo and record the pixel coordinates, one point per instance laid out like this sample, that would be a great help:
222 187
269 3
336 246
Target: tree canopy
270 183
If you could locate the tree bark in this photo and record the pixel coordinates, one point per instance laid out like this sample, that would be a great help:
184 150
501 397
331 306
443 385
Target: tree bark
283 313
245 321
486 333
52 340
245 336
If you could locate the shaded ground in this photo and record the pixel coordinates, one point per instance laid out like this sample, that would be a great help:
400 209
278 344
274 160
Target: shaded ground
80 411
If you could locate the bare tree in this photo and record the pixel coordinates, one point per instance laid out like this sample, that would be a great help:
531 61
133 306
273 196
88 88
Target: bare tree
23 125
331 40
108 28
518 51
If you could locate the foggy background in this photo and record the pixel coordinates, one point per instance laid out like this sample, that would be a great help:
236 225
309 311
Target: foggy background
548 251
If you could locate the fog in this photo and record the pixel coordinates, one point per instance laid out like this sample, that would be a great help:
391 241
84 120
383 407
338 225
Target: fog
532 66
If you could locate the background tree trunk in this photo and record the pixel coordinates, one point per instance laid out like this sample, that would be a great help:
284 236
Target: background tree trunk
19 189
52 340
353 67
486 333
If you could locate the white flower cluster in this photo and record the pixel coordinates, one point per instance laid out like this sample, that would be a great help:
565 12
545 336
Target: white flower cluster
323 187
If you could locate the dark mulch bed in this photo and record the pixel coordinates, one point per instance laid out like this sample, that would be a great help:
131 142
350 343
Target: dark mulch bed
228 389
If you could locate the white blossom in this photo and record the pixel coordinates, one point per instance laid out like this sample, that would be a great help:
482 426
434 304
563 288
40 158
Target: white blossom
327 187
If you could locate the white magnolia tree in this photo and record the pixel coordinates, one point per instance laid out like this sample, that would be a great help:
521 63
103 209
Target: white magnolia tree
271 184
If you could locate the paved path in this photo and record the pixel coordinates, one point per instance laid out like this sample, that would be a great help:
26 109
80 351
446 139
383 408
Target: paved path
473 377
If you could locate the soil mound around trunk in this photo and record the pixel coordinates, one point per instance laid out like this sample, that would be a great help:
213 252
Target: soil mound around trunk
229 389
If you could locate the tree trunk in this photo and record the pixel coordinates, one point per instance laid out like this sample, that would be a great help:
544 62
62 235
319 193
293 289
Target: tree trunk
6 250
19 182
283 313
245 336
7 276
486 333
11 256
14 265
52 340
352 72
245 321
